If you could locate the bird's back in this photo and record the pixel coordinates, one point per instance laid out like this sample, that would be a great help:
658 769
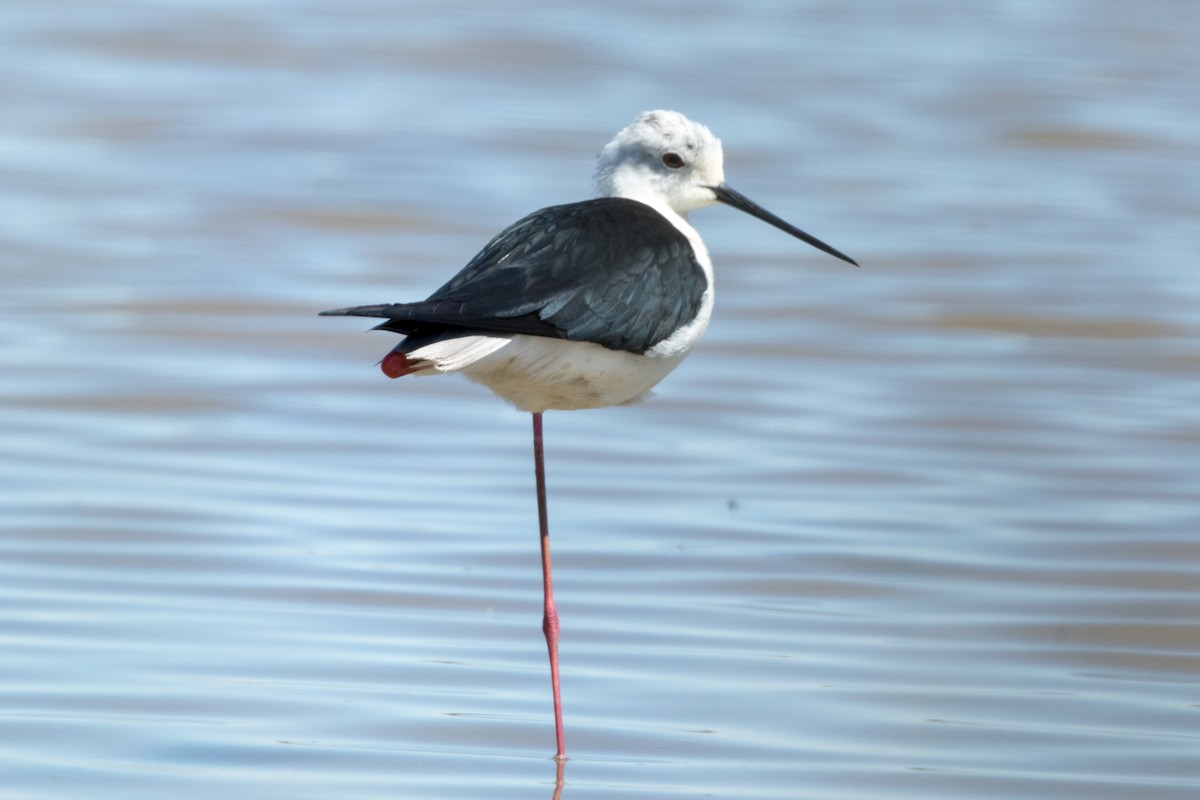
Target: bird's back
611 271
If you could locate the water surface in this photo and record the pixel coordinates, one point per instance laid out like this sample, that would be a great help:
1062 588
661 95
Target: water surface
924 529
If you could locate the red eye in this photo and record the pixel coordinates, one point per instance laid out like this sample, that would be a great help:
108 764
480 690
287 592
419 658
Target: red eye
673 160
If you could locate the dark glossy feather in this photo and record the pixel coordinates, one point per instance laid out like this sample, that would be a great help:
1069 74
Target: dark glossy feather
611 271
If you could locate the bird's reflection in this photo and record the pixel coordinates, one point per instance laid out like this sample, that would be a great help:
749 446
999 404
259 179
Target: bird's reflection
558 779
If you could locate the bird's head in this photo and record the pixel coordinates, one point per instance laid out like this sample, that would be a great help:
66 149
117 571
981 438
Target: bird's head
662 157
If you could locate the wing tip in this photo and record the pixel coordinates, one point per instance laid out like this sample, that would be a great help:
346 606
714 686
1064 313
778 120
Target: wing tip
379 310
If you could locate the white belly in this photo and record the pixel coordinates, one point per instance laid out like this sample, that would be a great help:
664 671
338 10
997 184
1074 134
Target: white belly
536 373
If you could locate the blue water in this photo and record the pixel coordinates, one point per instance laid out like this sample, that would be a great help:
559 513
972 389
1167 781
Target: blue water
925 529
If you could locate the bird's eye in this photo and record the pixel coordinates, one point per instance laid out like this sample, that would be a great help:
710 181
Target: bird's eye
672 160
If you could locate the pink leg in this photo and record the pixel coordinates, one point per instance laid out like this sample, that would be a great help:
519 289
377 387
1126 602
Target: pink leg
550 616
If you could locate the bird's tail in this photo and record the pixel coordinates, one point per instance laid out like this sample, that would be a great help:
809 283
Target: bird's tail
436 339
396 363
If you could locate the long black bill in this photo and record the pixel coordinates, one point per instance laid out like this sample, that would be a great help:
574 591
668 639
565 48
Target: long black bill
741 202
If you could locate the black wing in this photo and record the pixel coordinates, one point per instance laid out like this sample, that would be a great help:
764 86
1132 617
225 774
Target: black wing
611 271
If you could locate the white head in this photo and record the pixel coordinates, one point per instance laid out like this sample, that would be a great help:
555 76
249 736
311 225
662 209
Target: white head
665 160
662 158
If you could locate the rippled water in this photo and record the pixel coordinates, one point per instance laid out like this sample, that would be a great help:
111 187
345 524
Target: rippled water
925 529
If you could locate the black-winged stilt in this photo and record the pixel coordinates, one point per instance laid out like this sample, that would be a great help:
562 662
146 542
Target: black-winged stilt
582 305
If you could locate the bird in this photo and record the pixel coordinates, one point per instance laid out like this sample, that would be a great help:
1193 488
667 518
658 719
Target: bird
582 305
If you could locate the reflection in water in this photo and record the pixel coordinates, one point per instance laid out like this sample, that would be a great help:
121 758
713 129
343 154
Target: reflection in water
558 778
